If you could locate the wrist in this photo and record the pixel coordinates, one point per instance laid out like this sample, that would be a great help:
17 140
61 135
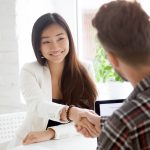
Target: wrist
73 113
69 114
50 133
63 116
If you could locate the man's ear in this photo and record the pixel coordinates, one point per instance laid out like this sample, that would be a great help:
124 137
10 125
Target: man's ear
113 59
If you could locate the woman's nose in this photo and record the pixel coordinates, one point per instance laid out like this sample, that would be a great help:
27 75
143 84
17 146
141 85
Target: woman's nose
54 46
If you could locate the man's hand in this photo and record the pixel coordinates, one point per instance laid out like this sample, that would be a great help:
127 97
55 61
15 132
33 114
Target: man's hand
39 136
87 122
86 128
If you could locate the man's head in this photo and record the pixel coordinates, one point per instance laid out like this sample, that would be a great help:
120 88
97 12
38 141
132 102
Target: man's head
123 29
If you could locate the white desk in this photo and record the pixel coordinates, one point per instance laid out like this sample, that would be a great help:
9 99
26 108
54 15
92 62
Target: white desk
73 143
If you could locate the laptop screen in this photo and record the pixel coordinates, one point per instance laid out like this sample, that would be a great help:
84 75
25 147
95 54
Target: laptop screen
107 107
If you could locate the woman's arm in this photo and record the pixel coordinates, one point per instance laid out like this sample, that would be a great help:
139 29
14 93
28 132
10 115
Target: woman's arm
38 101
38 136
83 119
57 132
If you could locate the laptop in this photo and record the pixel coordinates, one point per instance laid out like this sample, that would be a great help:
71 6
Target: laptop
111 97
107 107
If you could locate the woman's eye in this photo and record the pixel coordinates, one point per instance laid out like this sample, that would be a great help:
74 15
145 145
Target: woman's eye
45 42
60 39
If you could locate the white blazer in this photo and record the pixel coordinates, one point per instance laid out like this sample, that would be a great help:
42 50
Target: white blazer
36 87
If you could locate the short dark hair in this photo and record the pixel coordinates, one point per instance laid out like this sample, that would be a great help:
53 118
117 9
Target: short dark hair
123 27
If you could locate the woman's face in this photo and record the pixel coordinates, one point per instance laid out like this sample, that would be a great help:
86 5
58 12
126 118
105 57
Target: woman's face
54 43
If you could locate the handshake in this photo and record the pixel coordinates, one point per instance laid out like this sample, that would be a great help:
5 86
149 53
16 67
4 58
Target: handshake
87 122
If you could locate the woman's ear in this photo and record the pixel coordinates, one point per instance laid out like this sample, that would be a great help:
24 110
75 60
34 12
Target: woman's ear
113 59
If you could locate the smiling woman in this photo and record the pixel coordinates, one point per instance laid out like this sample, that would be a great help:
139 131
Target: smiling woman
56 79
56 46
15 49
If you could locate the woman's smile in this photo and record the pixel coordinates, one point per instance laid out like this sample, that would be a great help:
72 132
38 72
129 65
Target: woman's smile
56 53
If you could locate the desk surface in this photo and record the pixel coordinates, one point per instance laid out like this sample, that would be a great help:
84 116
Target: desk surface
73 143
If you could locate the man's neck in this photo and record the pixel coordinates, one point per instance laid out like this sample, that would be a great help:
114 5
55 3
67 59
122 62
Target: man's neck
136 75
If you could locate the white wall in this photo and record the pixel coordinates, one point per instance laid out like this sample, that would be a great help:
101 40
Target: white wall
9 94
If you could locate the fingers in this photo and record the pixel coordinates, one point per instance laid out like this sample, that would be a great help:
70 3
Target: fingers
78 128
90 128
29 139
92 111
85 132
97 128
92 117
82 131
39 136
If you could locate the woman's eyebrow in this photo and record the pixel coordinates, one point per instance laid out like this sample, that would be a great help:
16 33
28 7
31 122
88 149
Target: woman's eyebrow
46 37
59 34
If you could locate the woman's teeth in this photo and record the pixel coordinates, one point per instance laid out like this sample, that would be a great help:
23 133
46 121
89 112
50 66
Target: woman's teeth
56 53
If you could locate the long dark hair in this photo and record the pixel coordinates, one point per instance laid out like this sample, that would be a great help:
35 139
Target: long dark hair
76 86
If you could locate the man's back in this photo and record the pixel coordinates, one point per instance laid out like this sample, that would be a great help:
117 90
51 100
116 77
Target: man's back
129 126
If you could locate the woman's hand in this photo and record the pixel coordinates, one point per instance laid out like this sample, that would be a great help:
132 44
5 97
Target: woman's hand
39 136
87 121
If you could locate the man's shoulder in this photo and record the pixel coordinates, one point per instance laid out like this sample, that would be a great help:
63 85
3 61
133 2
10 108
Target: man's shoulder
131 119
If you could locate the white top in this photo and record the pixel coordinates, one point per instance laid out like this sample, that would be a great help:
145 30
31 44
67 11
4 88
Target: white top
35 83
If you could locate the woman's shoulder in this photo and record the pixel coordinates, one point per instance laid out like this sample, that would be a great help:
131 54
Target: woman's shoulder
32 66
